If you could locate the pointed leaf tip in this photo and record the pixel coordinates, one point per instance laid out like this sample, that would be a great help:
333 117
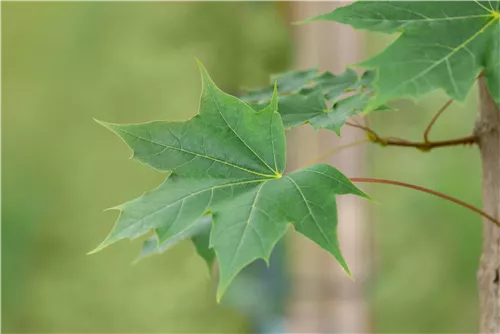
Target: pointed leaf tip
100 122
274 98
107 125
351 276
312 19
218 297
97 249
200 64
203 70
206 80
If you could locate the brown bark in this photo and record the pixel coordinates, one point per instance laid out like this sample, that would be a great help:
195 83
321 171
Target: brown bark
487 130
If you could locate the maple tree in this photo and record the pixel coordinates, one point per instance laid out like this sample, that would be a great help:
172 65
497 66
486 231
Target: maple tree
227 190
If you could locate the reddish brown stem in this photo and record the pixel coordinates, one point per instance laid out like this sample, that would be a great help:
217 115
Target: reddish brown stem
429 191
423 146
433 120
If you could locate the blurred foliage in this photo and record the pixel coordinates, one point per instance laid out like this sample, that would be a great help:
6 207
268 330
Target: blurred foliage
63 64
426 250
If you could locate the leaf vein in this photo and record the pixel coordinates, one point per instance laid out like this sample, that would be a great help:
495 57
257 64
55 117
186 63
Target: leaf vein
199 155
234 132
246 225
310 211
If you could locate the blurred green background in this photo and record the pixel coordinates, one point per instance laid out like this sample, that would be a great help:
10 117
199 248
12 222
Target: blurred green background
427 249
65 63
62 65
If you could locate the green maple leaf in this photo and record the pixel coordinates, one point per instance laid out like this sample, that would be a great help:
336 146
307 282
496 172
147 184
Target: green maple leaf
229 161
317 99
288 82
443 44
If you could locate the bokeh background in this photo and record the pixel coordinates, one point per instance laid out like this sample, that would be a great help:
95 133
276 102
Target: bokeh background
65 63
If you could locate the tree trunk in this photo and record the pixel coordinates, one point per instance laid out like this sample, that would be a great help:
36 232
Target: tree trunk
324 299
487 130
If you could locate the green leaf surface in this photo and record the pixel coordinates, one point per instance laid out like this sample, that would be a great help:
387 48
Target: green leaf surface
201 241
317 99
288 82
443 44
199 235
229 161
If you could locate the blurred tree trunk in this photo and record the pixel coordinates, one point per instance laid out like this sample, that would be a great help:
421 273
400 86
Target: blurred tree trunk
324 299
488 131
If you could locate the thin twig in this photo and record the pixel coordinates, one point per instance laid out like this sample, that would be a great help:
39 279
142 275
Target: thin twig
335 150
355 121
362 127
433 120
429 191
423 146
367 121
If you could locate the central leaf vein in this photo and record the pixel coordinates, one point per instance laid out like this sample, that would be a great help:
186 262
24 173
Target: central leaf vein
182 199
235 133
247 224
197 154
310 211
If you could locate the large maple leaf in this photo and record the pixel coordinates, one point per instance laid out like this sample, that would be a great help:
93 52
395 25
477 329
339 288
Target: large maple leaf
229 161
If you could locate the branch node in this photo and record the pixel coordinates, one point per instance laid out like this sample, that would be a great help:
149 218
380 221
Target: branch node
424 146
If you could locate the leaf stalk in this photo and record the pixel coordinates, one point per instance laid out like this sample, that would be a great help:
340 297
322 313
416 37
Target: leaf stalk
433 120
428 191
